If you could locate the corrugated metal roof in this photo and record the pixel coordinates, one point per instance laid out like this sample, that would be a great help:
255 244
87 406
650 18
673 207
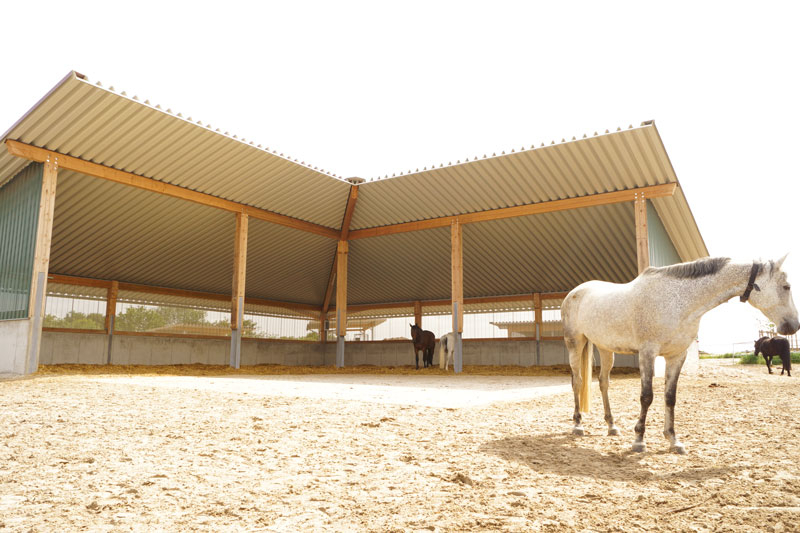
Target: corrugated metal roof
551 252
110 231
90 122
287 265
609 162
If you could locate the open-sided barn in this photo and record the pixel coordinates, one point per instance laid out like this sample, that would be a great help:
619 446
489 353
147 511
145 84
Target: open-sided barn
130 234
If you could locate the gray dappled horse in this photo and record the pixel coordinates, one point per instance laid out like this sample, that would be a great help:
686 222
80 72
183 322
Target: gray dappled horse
658 313
447 347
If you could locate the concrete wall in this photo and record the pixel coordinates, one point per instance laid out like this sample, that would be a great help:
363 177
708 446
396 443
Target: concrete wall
13 345
90 348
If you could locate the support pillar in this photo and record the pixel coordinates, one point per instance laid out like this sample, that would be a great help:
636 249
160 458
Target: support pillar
642 242
41 262
237 300
341 300
457 290
111 314
537 320
418 313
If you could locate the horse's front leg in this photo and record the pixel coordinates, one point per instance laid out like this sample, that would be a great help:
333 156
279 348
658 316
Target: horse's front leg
646 364
671 374
416 356
768 359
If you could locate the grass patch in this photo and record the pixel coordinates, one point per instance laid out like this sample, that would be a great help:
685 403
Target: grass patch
721 355
751 359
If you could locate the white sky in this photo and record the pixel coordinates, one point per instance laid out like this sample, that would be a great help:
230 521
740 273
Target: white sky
369 88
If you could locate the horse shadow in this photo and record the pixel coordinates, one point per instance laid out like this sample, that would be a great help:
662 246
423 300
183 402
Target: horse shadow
563 454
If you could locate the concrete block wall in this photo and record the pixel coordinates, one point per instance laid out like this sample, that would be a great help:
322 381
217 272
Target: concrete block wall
13 345
281 353
90 348
60 348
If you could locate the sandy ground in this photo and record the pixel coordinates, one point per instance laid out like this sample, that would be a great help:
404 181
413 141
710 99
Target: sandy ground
391 453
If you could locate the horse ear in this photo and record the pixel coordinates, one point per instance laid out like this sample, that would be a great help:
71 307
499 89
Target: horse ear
780 261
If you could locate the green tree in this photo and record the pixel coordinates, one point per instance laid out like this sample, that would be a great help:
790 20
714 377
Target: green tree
76 320
139 318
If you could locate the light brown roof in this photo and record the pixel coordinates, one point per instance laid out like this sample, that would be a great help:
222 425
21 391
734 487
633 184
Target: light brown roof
111 231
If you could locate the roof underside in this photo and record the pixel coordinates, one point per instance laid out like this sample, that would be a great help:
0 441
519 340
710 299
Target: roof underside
110 231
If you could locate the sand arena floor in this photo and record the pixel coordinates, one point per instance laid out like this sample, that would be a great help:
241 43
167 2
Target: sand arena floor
402 451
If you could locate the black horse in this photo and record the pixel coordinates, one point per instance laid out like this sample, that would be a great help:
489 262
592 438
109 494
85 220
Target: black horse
425 341
775 346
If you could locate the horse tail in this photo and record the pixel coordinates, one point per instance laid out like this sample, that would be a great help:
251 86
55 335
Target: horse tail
442 351
586 373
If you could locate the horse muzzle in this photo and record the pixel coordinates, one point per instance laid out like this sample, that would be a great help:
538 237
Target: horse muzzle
789 327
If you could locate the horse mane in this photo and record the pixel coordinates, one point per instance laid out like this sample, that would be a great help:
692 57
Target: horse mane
706 266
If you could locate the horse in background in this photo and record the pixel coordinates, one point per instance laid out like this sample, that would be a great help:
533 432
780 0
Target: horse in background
775 346
447 347
425 341
658 313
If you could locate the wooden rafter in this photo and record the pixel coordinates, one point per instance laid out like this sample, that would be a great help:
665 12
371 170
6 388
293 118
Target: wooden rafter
654 191
348 216
96 170
312 311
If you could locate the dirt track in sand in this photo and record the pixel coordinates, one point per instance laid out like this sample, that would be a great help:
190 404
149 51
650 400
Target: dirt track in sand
118 453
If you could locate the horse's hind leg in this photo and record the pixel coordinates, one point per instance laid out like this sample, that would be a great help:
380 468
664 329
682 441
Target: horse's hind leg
646 365
671 374
575 348
606 364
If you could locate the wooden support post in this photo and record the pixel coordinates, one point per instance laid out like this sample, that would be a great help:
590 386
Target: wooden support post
642 243
537 320
111 314
323 332
418 313
457 289
341 300
41 262
237 300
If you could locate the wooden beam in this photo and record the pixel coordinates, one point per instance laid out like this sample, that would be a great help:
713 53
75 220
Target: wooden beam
479 300
418 313
642 243
348 216
655 191
311 311
41 262
111 303
44 233
457 274
239 268
537 311
341 288
348 212
35 153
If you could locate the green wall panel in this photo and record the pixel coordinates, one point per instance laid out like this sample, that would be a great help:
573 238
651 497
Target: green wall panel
19 213
662 251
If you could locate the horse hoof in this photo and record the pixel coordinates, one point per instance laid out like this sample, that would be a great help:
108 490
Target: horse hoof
613 432
680 449
639 447
577 431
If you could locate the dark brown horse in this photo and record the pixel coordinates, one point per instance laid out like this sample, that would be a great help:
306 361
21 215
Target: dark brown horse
425 341
775 346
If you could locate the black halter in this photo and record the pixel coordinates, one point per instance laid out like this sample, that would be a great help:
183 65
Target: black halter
751 282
